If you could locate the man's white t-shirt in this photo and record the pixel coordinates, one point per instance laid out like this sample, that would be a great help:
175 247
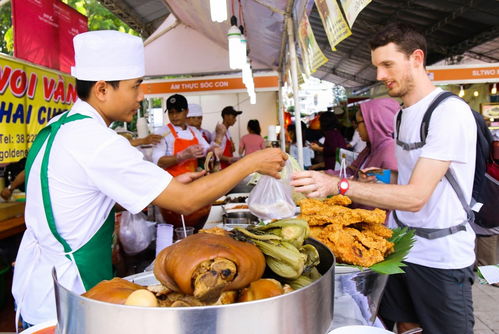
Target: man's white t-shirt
166 146
90 169
451 137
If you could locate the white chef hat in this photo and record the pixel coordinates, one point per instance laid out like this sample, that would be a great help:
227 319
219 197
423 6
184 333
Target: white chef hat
108 55
194 110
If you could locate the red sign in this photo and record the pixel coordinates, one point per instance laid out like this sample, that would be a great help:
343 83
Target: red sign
44 31
71 23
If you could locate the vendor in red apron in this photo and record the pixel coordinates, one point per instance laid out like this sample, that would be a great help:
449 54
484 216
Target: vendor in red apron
78 168
226 142
182 144
195 119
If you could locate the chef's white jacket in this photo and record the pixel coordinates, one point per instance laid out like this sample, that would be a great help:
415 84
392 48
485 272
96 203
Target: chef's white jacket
90 169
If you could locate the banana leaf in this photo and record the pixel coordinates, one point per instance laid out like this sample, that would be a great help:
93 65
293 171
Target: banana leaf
403 239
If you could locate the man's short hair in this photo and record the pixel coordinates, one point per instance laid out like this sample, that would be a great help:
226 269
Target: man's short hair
83 87
404 36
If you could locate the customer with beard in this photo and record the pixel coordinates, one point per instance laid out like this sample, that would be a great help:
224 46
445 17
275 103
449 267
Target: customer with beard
433 295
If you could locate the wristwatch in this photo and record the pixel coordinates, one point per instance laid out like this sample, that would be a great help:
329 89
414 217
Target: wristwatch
343 186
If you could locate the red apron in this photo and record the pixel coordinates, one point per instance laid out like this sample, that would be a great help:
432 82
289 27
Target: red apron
181 144
227 152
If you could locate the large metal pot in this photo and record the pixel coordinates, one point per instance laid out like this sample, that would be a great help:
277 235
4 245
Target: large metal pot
308 310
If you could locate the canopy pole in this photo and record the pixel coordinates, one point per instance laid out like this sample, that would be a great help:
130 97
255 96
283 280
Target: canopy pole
282 133
294 79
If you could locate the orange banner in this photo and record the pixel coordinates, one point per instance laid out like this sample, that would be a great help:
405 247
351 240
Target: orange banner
203 85
464 74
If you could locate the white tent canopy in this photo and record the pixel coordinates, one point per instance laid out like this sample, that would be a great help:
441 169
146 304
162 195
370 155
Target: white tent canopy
176 49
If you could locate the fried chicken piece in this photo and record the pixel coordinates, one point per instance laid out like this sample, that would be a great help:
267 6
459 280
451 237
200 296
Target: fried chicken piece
311 206
348 250
315 232
378 229
376 216
338 200
316 220
370 240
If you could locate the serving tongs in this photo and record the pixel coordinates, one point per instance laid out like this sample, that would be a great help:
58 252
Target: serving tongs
211 163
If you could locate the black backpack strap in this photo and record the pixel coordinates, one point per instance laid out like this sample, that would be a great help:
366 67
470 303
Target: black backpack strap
470 216
434 233
425 123
431 233
405 146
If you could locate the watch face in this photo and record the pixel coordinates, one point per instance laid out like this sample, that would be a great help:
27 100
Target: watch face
343 186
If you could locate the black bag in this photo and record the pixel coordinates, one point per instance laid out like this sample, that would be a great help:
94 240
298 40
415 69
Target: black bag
485 187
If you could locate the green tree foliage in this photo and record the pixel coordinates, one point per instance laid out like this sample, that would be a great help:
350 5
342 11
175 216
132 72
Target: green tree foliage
99 18
7 38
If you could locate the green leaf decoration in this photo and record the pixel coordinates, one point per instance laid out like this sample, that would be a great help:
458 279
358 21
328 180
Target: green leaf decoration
403 239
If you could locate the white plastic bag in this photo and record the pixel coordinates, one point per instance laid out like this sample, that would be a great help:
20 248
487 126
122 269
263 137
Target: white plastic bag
136 233
271 199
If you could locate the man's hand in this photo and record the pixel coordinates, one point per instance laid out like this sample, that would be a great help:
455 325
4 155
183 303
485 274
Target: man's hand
190 176
6 193
316 147
268 162
152 139
192 152
315 184
363 177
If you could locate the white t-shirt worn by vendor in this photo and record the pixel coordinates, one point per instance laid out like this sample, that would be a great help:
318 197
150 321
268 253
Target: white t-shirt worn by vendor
451 137
90 169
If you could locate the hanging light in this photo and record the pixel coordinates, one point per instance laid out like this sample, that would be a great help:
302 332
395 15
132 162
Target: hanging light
253 98
475 93
244 46
461 91
494 89
218 9
234 37
246 72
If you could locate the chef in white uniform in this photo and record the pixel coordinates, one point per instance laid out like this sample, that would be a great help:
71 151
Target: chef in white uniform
78 168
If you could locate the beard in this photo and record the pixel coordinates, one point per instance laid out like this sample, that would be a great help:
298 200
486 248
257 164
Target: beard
403 87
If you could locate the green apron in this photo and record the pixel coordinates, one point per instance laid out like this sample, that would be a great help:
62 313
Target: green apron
94 258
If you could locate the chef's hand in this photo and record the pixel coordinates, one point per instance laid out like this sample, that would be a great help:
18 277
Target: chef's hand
269 161
6 193
152 139
192 152
190 176
315 184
